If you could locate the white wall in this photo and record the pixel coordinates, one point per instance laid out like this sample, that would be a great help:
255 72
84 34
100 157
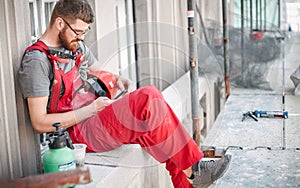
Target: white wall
293 15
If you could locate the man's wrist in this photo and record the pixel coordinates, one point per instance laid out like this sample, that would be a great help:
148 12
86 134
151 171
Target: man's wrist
85 112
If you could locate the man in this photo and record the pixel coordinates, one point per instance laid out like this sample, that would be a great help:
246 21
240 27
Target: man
53 78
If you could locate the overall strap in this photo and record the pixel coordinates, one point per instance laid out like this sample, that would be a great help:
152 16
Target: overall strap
57 81
39 45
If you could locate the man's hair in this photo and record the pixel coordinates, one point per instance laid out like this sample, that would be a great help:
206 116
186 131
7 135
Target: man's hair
72 10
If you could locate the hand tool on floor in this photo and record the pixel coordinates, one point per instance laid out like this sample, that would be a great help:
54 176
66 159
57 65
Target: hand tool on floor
249 114
271 114
265 114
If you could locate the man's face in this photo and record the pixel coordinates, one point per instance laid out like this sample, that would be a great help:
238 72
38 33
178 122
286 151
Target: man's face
72 33
66 42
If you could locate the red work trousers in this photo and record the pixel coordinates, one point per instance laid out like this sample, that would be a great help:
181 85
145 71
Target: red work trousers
142 117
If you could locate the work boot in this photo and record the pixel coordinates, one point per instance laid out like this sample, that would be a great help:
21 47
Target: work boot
209 171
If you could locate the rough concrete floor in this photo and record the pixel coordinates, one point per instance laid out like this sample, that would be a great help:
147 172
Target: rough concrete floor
265 153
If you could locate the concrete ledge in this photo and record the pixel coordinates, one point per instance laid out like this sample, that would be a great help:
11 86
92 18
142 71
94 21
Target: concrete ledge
126 166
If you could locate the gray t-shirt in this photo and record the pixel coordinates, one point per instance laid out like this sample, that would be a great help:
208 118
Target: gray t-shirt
36 74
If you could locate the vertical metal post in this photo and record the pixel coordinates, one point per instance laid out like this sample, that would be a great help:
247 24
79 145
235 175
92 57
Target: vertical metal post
137 73
246 14
282 46
279 13
256 14
265 13
242 35
260 15
242 16
226 51
193 71
251 14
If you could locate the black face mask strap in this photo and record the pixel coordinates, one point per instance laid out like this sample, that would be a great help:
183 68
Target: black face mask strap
63 55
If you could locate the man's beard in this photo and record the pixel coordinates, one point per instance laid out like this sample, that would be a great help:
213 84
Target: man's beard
70 45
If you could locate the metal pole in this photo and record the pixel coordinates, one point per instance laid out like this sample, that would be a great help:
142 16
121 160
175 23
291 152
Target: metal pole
256 12
251 14
260 15
279 14
242 36
193 71
265 13
226 51
282 43
137 73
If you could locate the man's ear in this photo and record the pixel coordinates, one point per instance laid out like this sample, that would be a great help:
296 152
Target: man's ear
59 23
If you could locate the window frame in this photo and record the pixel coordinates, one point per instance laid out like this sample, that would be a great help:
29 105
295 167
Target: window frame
40 17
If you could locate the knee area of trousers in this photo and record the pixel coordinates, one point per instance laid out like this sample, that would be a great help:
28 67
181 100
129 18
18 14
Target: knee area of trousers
151 91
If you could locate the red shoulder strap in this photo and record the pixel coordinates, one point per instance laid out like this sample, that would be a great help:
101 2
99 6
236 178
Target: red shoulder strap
39 45
57 82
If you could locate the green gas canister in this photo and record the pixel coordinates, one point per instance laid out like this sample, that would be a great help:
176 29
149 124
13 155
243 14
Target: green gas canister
60 156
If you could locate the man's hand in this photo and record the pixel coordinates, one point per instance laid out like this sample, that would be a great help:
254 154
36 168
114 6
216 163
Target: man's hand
125 84
92 109
100 103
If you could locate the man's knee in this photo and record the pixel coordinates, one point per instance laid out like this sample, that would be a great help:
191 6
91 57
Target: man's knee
151 91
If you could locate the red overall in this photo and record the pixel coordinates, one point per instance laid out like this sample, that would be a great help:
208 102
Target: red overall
141 117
